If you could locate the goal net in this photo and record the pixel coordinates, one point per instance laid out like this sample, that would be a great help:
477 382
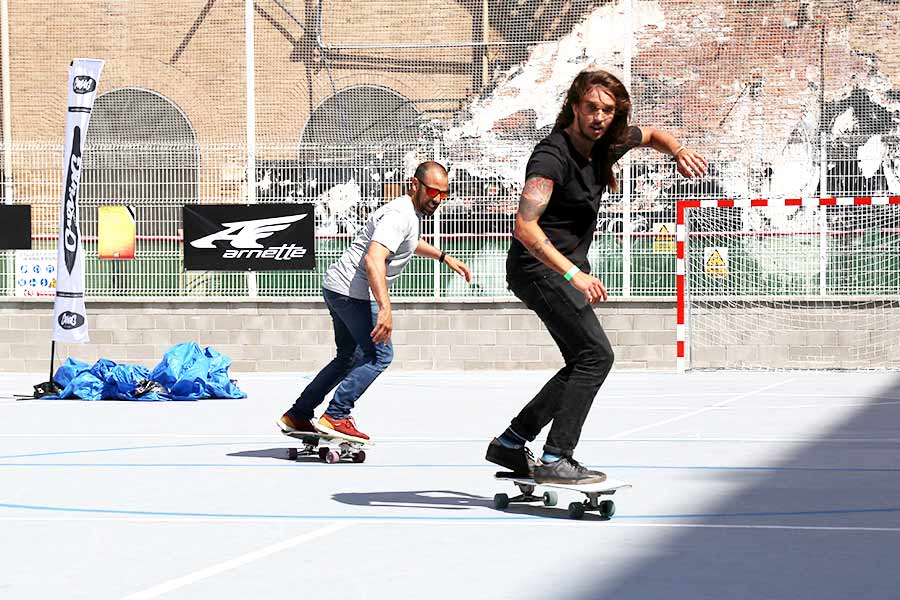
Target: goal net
788 284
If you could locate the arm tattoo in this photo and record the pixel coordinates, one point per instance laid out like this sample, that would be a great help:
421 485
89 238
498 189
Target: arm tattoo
539 248
535 197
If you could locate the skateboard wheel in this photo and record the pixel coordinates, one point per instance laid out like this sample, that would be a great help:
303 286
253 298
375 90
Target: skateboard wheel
550 498
292 453
607 509
576 510
501 501
323 452
359 456
332 456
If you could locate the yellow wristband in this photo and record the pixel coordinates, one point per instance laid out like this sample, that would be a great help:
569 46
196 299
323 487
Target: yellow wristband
571 273
680 148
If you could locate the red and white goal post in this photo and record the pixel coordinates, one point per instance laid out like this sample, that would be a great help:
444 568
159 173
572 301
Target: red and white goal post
810 283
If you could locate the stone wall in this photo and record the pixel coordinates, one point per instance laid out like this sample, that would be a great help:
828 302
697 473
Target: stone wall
282 335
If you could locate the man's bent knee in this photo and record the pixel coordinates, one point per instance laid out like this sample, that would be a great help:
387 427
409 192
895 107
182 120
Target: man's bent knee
597 361
380 357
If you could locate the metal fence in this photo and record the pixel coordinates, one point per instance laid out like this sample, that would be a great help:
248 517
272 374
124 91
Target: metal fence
333 102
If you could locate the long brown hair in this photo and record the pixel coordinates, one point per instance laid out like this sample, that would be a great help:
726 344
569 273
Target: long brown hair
618 129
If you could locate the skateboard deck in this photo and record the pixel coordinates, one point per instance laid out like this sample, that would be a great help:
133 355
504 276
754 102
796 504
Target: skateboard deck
592 492
329 448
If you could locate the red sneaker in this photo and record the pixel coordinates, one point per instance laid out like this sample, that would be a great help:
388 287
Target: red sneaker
344 427
292 425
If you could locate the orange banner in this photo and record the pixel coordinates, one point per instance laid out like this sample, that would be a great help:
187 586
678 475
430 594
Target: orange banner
116 233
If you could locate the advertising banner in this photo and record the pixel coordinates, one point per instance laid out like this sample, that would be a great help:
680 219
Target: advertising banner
251 237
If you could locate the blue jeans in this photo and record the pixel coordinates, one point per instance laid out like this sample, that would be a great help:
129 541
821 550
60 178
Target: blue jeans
358 363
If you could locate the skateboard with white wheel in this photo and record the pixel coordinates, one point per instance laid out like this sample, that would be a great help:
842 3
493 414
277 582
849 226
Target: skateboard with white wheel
592 492
329 448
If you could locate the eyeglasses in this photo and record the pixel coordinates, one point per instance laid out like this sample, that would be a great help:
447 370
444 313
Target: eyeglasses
433 192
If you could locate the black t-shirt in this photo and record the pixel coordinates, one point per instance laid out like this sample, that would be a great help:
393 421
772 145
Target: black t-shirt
570 218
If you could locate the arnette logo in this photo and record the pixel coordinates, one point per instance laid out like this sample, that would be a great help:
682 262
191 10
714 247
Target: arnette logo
245 236
70 206
70 320
84 84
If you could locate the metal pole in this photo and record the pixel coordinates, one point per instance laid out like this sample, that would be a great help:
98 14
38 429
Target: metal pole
485 27
626 165
823 249
7 102
52 355
7 126
251 122
823 170
437 229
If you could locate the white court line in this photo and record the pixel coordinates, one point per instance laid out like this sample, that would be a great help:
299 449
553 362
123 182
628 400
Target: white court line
180 582
818 406
699 411
449 522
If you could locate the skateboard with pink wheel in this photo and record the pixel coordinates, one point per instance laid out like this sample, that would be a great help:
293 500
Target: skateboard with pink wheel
329 448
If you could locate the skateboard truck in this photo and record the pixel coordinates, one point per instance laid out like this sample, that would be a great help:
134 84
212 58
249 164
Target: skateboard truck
593 493
549 498
330 454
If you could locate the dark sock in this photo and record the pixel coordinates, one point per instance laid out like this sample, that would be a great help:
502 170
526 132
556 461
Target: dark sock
511 439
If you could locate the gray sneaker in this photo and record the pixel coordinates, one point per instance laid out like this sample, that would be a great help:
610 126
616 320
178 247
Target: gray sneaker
566 471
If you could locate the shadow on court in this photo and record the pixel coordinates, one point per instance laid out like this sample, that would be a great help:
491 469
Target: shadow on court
281 453
441 499
816 525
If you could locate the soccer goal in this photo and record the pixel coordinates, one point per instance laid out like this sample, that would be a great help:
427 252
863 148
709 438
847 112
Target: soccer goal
788 284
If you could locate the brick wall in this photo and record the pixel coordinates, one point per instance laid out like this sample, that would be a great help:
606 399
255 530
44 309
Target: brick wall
197 60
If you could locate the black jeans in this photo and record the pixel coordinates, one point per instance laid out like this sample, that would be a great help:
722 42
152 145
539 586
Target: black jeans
567 397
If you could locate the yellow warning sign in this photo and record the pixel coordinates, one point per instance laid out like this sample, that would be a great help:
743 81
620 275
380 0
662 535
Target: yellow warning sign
715 261
664 238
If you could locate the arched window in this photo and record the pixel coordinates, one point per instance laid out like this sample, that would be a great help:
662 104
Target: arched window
363 115
352 153
140 151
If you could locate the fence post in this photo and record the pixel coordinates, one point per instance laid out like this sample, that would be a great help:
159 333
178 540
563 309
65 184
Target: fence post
7 102
823 213
7 128
437 229
250 67
626 164
823 169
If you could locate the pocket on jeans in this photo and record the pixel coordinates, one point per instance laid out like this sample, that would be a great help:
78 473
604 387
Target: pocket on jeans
565 303
536 299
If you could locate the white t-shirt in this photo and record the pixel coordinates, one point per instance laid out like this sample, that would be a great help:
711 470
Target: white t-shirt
396 227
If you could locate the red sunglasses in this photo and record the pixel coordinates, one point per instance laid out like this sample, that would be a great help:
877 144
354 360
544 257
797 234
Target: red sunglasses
432 192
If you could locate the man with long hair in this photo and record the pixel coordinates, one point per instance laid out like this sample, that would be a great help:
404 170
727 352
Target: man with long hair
547 266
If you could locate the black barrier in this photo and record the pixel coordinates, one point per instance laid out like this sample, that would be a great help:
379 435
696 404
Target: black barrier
252 237
15 227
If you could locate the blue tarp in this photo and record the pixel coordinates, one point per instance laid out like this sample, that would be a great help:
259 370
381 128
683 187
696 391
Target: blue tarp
186 372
